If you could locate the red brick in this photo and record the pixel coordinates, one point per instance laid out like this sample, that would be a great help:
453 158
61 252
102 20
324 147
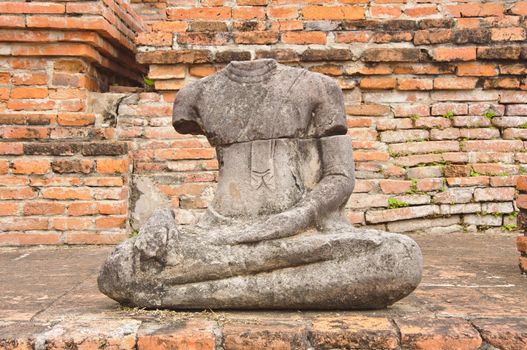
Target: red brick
110 222
65 224
333 12
76 119
82 208
513 97
286 25
439 36
12 21
303 38
421 11
475 9
171 27
202 71
415 84
112 166
476 69
29 238
523 264
494 145
30 78
283 12
13 180
11 148
166 71
521 183
8 209
248 13
367 110
208 38
31 7
502 83
265 335
395 186
354 332
24 133
521 243
209 13
27 224
113 208
29 92
520 8
448 54
154 39
435 333
454 83
31 166
17 193
261 38
388 215
64 193
385 11
360 156
377 83
494 194
44 208
192 334
494 169
104 181
252 2
521 201
352 37
507 34
501 334
424 147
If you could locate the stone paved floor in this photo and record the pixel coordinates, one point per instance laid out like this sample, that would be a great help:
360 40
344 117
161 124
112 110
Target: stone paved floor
472 297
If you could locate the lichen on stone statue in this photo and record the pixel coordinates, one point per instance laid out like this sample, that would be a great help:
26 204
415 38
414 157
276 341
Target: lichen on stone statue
274 236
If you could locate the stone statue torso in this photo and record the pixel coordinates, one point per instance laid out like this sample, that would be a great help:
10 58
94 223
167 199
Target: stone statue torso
265 124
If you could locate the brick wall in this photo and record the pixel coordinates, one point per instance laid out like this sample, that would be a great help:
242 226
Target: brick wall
436 96
64 174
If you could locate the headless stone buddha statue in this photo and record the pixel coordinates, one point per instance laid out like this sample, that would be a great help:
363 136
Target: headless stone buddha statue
275 235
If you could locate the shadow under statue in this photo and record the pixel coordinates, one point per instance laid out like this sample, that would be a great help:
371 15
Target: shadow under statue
275 236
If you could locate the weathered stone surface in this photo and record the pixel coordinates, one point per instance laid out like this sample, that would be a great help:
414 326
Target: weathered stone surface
185 334
274 235
265 335
503 334
436 333
89 334
354 332
19 335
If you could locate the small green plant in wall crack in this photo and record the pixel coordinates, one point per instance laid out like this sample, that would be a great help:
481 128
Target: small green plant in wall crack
489 113
394 203
509 227
148 84
448 115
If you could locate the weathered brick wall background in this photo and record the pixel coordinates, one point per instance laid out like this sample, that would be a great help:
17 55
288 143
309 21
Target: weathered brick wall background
436 95
64 174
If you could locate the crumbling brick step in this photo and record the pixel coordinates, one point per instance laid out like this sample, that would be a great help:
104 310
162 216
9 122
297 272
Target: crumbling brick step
323 332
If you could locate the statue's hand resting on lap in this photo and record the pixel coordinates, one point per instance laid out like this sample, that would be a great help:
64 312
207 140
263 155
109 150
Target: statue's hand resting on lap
276 226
